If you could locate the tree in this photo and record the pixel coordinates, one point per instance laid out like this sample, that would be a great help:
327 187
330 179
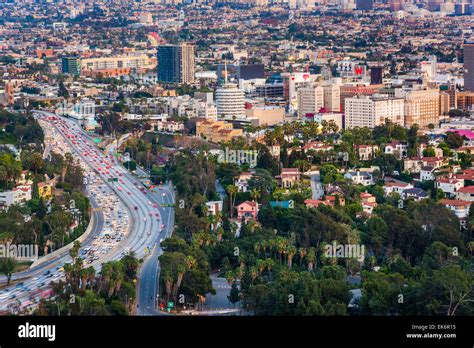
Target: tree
232 191
7 266
329 174
456 287
454 140
234 295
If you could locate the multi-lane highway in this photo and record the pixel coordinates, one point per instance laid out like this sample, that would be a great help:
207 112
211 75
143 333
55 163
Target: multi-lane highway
129 218
148 284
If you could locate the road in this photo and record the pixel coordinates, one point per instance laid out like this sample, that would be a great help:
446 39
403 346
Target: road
137 226
148 285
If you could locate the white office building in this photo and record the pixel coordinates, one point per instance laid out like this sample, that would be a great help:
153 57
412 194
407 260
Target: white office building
230 101
365 111
310 100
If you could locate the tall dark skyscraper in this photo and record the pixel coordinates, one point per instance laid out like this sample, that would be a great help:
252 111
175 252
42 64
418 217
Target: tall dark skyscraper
176 63
71 65
376 74
469 67
364 5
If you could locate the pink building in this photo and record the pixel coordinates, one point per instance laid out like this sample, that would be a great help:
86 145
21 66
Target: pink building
247 210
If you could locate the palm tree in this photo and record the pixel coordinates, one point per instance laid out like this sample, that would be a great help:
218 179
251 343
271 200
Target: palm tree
302 253
269 264
311 258
255 195
253 273
229 275
232 191
260 264
257 246
290 252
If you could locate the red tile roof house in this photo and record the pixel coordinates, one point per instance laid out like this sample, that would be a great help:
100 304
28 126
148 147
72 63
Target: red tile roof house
458 207
288 177
317 146
397 149
368 203
314 203
366 152
247 211
465 193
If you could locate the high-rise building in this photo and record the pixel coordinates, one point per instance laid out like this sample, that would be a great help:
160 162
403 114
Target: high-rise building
176 63
332 98
469 67
364 5
310 100
376 75
244 71
230 101
421 105
71 65
372 111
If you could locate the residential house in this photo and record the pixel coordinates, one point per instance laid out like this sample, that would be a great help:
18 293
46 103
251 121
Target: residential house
427 173
449 185
416 193
332 199
397 187
214 207
412 165
360 177
247 211
288 177
368 203
366 152
19 195
314 203
242 182
45 189
396 148
317 146
459 207
435 162
465 193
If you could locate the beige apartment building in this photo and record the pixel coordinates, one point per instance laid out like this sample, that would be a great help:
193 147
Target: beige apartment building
217 131
366 111
118 62
422 106
310 100
332 98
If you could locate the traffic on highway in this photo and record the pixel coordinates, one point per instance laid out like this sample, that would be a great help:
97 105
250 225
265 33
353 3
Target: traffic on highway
125 217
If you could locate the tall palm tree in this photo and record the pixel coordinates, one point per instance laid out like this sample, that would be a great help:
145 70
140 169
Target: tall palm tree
311 258
253 273
302 253
255 195
232 191
290 253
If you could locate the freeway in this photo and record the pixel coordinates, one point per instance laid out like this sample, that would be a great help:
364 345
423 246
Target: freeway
128 220
148 285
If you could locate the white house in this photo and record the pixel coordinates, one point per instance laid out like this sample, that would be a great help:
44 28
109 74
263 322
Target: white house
449 185
427 173
397 187
18 195
360 177
396 148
